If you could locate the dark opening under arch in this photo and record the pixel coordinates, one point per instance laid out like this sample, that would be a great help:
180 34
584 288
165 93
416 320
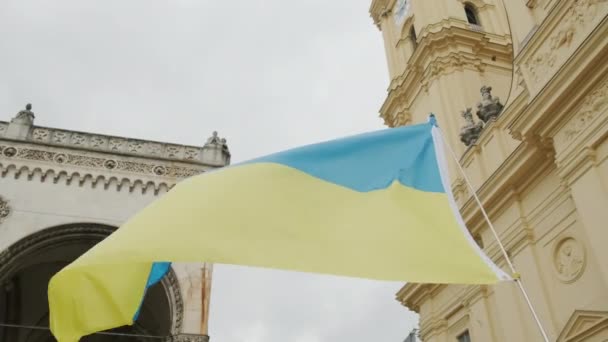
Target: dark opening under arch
27 266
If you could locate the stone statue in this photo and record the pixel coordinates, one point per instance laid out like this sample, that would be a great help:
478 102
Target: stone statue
25 117
489 107
216 147
469 133
214 139
224 144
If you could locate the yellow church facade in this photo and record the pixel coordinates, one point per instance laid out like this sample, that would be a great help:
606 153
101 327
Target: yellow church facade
520 90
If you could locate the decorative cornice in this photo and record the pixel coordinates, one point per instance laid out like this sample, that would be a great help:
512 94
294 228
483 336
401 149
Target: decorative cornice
100 162
443 48
433 323
413 294
588 117
479 4
547 110
55 165
188 338
93 180
378 9
122 146
564 29
584 325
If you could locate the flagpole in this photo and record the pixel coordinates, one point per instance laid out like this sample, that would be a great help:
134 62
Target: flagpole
515 274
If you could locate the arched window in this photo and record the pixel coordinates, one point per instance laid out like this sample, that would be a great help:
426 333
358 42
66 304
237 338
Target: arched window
413 37
471 13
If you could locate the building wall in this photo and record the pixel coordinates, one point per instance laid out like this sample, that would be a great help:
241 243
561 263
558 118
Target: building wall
52 178
540 168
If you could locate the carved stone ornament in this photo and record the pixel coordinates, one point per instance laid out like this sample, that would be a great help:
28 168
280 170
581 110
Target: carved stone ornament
5 210
593 106
25 117
490 106
578 20
160 170
60 158
110 164
569 259
9 152
188 338
96 162
469 133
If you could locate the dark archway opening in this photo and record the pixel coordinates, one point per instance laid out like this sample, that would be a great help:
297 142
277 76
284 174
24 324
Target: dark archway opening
471 13
27 266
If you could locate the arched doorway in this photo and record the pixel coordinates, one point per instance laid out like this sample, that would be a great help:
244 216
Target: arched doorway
27 266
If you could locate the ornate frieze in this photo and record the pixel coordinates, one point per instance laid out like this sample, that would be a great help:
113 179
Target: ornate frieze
145 174
115 144
594 104
188 338
574 25
101 163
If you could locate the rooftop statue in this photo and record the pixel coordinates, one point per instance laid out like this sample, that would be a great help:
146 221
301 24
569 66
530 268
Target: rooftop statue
25 117
469 133
490 106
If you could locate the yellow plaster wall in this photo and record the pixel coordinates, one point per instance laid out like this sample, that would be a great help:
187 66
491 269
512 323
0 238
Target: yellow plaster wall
541 168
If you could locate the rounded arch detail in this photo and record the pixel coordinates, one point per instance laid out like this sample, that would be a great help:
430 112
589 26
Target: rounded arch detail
86 233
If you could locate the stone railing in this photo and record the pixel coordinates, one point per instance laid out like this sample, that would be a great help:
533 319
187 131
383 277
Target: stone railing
214 152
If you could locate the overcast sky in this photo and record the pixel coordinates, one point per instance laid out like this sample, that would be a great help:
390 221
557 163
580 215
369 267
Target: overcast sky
267 74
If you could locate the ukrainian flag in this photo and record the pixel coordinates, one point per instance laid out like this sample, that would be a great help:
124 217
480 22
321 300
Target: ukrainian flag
376 205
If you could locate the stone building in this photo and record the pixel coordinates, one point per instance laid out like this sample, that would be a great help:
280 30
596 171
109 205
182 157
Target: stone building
63 191
520 90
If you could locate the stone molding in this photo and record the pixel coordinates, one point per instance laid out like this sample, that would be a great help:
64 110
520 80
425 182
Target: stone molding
188 338
558 37
97 162
593 105
479 4
91 169
378 9
584 325
85 179
576 78
112 144
85 232
429 62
